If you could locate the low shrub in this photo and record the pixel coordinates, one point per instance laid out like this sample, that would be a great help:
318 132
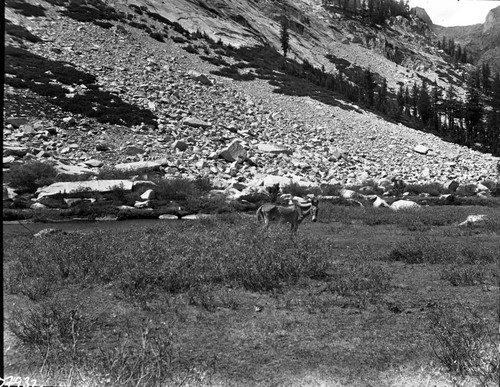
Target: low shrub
191 49
465 343
433 189
29 176
295 189
144 262
466 190
52 329
361 280
466 275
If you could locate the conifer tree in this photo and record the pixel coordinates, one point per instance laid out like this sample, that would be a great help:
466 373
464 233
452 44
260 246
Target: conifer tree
473 110
414 99
436 109
369 87
424 104
284 35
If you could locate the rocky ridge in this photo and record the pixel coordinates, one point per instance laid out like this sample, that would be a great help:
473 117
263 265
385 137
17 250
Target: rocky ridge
480 40
200 116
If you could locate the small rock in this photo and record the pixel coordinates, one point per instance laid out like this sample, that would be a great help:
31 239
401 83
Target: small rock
181 145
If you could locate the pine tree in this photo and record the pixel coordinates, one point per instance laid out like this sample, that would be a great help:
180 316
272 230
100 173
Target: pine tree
493 119
369 87
436 109
400 100
382 97
424 104
485 73
414 100
473 110
449 106
284 35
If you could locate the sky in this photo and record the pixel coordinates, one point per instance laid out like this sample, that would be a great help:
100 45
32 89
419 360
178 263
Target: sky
450 13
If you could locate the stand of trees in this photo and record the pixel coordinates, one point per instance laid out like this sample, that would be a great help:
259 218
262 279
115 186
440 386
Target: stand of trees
454 50
375 11
469 121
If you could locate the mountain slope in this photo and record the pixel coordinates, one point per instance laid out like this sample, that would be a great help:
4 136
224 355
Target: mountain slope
482 41
101 81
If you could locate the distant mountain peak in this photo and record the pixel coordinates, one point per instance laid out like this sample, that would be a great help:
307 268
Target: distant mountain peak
492 20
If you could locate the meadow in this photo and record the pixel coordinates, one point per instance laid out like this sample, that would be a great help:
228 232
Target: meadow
363 297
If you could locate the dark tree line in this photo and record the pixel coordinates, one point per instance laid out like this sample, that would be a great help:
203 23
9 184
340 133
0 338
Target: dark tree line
374 11
454 50
473 119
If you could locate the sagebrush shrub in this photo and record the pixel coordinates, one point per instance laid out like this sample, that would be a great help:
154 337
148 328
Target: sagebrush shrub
465 343
29 176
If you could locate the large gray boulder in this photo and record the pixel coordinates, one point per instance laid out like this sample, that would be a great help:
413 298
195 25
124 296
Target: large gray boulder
234 152
97 186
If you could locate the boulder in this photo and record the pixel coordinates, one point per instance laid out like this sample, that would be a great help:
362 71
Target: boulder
48 232
179 144
148 195
101 186
73 170
350 194
37 206
94 163
143 166
274 149
271 180
473 220
422 149
143 204
199 77
404 205
196 123
380 203
481 188
18 151
7 161
133 150
234 152
168 217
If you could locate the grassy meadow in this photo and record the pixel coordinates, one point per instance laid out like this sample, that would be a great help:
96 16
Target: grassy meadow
363 297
